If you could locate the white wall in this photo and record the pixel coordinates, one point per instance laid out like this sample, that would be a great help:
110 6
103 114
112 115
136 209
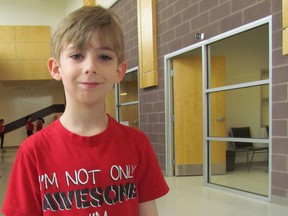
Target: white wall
36 12
18 99
71 5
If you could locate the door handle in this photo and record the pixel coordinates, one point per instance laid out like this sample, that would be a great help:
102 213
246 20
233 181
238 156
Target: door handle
220 119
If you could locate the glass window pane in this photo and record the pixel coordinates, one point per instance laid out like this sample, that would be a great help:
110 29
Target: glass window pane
239 108
229 169
239 59
110 105
129 115
239 64
129 88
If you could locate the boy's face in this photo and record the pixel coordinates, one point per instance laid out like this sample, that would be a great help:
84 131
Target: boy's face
88 74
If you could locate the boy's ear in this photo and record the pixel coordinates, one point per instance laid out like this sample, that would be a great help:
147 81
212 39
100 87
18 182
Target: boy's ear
121 71
54 67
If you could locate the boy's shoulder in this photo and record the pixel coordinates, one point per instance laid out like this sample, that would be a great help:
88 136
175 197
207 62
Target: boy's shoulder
125 127
39 136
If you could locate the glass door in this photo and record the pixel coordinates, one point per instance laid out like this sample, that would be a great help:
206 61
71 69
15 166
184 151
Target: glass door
237 97
122 103
128 100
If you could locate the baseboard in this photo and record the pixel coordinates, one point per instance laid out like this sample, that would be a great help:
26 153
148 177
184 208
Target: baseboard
197 169
255 163
11 147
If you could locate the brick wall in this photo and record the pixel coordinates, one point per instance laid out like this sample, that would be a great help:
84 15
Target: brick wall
127 12
279 107
177 23
151 101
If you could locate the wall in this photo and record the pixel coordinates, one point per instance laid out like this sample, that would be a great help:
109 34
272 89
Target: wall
36 12
151 101
177 23
279 108
127 11
71 5
31 12
21 99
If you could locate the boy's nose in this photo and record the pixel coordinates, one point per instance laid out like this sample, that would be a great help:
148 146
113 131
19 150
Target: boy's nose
87 72
90 66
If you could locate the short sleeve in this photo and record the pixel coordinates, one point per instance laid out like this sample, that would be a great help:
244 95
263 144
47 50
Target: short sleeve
151 182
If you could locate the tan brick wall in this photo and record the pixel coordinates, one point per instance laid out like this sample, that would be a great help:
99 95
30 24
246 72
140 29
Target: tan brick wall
177 23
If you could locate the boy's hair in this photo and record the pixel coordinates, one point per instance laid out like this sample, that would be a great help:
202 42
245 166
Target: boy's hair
78 26
27 117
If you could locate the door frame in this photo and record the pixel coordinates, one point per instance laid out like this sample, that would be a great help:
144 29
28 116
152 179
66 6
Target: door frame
168 89
118 104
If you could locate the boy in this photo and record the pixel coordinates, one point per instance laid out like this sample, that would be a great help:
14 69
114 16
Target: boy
2 133
29 125
86 163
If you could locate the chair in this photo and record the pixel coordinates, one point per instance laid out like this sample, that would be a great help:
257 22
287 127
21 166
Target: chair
248 147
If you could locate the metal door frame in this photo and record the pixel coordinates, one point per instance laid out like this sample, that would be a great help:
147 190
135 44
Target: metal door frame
168 89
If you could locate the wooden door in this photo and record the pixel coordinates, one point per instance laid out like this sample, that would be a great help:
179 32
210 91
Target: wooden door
188 121
188 116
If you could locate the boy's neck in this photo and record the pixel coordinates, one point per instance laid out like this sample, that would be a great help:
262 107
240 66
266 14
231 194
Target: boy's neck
85 122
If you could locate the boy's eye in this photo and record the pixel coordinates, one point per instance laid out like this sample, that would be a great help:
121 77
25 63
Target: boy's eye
105 57
76 56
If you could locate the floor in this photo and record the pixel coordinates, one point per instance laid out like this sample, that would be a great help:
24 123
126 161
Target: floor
187 197
240 179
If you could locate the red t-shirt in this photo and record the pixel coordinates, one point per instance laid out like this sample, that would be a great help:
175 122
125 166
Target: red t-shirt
2 128
39 125
57 172
29 125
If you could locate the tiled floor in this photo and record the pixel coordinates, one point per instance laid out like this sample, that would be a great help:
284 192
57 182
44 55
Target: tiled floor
6 162
187 197
256 181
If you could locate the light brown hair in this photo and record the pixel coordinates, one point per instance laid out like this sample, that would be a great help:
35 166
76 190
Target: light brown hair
78 26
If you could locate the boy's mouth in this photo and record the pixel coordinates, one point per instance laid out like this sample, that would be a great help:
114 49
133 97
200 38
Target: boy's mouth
89 84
